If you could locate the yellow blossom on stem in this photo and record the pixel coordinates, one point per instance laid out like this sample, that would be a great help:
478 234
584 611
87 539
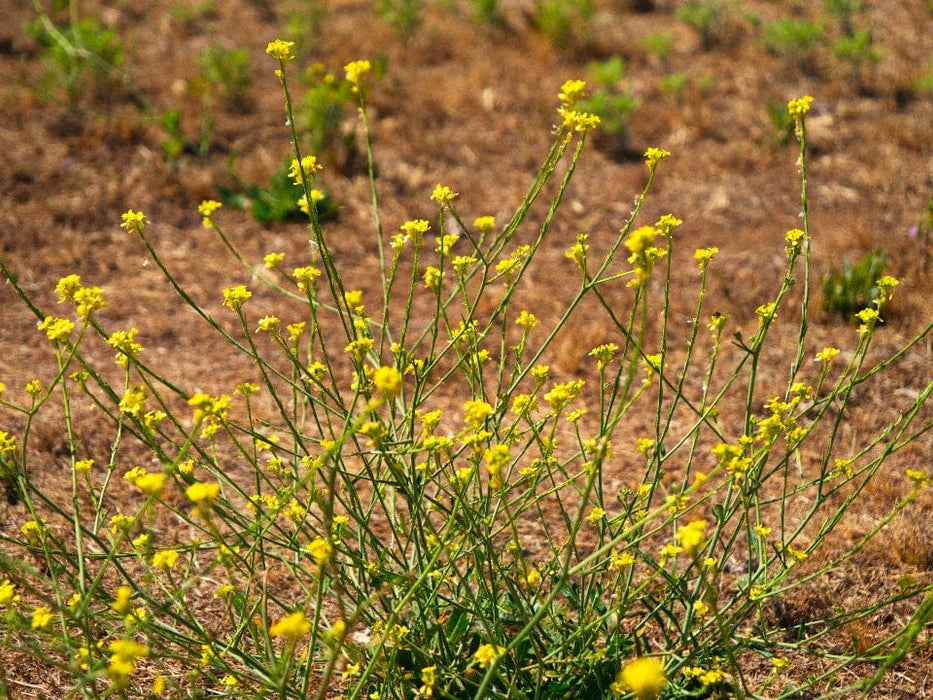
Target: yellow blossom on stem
305 170
486 224
236 296
203 493
206 209
571 92
320 550
643 677
703 256
595 515
281 50
57 330
692 537
443 195
164 560
388 382
8 594
292 627
124 342
798 107
355 70
653 156
87 300
134 221
487 654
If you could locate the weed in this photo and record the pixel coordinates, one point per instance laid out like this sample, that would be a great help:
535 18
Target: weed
707 18
613 105
854 287
322 118
403 15
660 45
83 57
401 498
282 200
782 122
563 22
794 40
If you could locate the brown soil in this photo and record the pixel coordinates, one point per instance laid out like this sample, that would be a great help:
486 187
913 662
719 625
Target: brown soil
472 106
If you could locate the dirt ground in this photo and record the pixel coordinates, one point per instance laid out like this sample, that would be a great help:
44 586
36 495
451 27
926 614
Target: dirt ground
472 105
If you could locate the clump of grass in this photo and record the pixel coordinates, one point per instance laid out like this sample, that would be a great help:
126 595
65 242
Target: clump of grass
83 57
404 499
853 287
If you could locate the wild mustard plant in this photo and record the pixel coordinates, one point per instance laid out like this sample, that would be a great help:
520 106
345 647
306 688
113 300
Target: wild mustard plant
410 503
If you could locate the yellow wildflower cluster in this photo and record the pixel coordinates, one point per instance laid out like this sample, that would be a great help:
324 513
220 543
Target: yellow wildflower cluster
643 677
497 459
124 653
706 676
644 254
292 627
305 170
134 221
236 296
57 330
487 654
207 407
124 342
86 299
355 70
562 394
206 209
281 50
692 537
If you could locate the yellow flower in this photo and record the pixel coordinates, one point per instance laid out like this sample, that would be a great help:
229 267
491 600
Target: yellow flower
487 654
57 329
121 603
620 560
653 156
485 224
203 493
475 413
703 256
826 355
595 515
299 172
604 354
388 382
32 529
124 342
918 477
320 550
692 537
236 296
798 107
165 560
273 261
88 300
123 656
355 71
571 92
643 677
292 627
562 394
134 221
41 618
280 50
577 252
8 594
67 286
443 195
206 209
